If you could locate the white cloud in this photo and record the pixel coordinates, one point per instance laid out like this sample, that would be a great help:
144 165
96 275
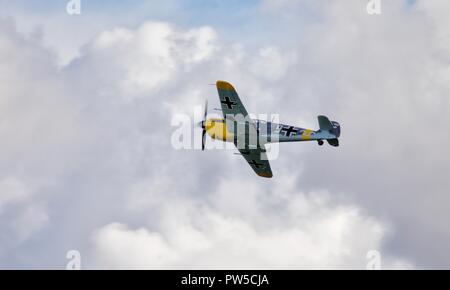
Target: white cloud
12 191
289 229
239 223
271 64
86 147
152 55
242 230
21 212
125 248
30 220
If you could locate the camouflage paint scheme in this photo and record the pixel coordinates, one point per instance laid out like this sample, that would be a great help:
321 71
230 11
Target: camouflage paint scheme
251 141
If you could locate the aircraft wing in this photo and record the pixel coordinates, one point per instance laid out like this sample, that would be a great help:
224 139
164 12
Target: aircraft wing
232 106
254 159
255 154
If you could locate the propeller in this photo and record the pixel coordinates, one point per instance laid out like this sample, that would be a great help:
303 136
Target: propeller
203 126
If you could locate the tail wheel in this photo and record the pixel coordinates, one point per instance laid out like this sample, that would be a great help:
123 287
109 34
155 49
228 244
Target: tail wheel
320 142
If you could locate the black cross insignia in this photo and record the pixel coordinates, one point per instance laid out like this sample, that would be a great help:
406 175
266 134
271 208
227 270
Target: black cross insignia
288 131
256 164
229 103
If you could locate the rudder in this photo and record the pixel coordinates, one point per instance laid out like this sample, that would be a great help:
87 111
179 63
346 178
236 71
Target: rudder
325 123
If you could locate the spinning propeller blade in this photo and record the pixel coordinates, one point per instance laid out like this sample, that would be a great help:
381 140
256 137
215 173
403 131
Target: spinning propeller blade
204 126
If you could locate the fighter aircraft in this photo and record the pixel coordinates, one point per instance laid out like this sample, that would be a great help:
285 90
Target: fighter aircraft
251 135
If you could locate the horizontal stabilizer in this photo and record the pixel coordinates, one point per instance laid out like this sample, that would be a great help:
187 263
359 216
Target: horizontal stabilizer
333 142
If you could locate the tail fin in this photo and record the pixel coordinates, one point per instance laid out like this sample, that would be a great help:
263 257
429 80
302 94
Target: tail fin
324 123
330 126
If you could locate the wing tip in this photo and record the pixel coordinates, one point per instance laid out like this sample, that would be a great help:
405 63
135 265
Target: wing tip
223 85
266 174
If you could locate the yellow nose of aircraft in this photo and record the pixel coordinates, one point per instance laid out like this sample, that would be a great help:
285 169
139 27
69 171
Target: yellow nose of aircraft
217 129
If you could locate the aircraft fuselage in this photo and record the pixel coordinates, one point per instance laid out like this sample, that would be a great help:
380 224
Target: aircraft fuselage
271 132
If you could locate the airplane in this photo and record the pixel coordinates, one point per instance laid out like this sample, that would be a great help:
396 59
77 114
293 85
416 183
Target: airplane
251 141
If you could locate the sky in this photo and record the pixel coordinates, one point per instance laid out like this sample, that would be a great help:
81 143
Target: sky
87 164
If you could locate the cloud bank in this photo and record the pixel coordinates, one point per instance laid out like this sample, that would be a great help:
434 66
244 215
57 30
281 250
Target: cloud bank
87 162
